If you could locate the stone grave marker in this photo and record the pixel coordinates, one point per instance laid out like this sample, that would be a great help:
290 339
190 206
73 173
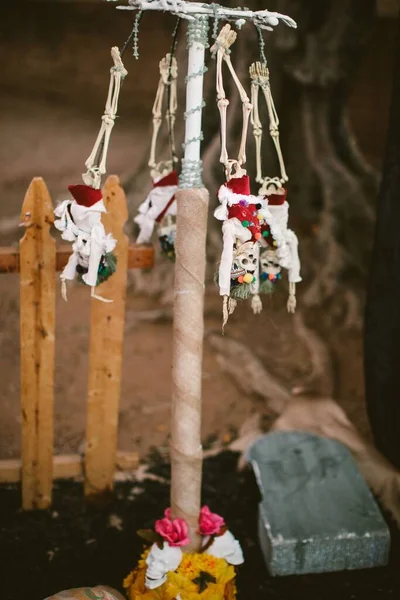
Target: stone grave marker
317 513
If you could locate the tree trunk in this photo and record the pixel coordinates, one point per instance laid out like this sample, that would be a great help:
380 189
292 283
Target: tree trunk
382 325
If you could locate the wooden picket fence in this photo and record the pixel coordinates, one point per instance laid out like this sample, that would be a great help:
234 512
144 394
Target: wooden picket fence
37 261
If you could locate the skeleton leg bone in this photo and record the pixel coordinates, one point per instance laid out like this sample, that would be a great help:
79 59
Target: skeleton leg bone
94 295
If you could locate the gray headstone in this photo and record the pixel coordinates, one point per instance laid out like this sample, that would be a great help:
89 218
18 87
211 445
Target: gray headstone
317 513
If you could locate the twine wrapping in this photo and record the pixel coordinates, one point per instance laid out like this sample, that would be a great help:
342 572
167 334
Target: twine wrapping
186 450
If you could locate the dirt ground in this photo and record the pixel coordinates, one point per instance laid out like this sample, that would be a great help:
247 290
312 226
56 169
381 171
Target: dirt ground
76 545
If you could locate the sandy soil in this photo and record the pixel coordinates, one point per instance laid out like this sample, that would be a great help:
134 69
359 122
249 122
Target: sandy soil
145 397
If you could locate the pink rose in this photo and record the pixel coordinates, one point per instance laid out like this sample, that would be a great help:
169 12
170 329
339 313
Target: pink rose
174 531
210 523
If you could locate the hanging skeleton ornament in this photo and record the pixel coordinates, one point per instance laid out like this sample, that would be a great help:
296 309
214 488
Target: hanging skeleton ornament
238 274
160 205
279 244
92 260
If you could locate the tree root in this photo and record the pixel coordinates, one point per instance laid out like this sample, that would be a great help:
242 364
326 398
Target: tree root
320 416
243 366
321 378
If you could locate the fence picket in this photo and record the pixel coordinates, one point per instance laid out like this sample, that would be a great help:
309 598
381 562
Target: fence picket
106 349
37 288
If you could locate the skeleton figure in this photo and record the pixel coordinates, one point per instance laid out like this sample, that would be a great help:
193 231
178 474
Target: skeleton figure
238 269
270 270
281 242
159 208
92 260
159 562
160 204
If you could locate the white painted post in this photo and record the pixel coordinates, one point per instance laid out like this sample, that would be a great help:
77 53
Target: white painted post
191 167
190 250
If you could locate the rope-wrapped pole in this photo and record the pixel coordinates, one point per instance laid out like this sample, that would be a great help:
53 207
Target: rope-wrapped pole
190 249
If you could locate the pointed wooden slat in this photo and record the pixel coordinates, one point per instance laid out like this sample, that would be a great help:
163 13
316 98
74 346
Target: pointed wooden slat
106 347
37 284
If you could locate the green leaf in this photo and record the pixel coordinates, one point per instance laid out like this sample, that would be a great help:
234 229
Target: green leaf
203 580
150 536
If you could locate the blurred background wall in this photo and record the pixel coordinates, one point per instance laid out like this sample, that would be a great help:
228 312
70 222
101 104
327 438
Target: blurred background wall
55 61
54 78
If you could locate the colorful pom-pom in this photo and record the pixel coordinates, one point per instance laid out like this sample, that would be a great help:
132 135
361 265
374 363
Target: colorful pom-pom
245 223
241 278
264 276
248 278
271 277
279 276
260 217
265 233
257 236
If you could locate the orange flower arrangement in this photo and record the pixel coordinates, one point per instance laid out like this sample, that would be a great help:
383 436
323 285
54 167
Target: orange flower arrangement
164 572
198 577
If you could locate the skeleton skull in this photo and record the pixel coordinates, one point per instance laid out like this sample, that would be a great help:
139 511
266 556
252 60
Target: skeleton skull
269 263
244 260
227 547
159 562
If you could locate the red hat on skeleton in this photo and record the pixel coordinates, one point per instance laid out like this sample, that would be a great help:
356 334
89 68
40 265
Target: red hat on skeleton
85 195
245 211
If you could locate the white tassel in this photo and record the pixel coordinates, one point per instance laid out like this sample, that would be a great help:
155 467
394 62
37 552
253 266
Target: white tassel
232 304
256 304
291 303
225 313
64 290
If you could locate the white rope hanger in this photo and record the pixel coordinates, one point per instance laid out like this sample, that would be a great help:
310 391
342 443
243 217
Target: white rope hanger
221 49
96 163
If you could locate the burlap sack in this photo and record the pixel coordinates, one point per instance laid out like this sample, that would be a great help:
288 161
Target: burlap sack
100 592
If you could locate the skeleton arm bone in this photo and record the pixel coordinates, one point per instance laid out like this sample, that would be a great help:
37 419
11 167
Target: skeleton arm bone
118 73
246 106
157 120
224 41
257 129
274 128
